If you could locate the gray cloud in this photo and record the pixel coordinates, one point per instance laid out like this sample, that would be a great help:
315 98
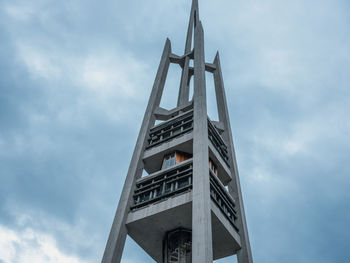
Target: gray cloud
69 69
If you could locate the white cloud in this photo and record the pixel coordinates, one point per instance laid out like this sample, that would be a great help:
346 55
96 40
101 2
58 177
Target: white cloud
109 74
18 12
38 62
48 235
276 67
102 79
128 260
22 11
270 184
31 246
284 47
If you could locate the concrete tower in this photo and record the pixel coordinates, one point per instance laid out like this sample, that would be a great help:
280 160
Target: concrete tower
189 207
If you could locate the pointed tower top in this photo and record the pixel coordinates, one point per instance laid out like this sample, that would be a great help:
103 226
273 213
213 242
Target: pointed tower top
194 19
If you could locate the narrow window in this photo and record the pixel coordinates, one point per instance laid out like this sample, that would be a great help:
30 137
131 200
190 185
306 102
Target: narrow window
169 160
173 158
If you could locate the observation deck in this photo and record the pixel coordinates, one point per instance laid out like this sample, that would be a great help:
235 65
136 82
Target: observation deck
177 134
163 202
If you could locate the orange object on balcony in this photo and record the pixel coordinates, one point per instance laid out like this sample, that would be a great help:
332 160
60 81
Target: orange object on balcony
213 167
173 158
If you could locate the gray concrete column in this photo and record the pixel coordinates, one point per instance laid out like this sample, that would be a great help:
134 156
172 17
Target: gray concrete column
202 249
244 255
117 236
184 90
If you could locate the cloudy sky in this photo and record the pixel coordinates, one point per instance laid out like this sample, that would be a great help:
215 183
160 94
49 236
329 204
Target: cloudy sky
75 77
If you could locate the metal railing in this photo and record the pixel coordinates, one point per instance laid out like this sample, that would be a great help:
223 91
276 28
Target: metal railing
218 142
222 199
170 129
163 184
176 180
182 124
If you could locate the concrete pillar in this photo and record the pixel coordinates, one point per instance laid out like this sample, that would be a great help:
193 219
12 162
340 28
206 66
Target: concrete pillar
202 250
184 90
244 255
117 236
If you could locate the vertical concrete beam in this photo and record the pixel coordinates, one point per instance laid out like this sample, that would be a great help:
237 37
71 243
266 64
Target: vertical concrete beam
202 249
184 90
194 19
117 236
245 254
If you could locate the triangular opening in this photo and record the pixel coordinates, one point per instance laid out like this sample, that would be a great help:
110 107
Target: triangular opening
191 84
192 41
231 259
171 88
211 97
134 253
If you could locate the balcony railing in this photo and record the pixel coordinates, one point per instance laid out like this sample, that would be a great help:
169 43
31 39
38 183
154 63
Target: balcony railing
222 199
171 129
163 184
176 180
218 142
180 125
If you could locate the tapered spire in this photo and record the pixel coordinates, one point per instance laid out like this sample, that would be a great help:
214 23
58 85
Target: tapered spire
191 191
184 84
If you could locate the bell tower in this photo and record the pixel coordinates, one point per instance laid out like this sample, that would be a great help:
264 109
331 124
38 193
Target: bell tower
189 207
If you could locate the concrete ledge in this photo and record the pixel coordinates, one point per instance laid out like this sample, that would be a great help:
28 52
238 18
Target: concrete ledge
153 157
224 172
226 240
148 225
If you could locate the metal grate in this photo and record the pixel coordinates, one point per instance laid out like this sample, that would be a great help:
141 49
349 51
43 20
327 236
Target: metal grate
171 129
218 142
163 185
177 180
222 199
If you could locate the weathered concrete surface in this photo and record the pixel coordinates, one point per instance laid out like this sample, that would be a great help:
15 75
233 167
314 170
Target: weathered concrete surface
147 226
244 254
226 240
154 156
212 235
202 250
184 90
